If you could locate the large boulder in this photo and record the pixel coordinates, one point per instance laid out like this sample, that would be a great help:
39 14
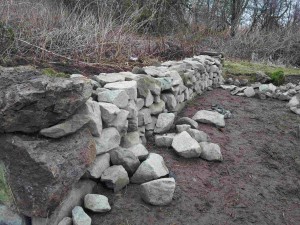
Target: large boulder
186 146
152 168
88 115
210 117
46 168
158 192
30 101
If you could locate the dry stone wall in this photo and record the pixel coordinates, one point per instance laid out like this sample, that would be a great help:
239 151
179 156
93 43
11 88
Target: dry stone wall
69 130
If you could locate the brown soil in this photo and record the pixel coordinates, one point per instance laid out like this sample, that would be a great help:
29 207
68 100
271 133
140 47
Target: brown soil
257 183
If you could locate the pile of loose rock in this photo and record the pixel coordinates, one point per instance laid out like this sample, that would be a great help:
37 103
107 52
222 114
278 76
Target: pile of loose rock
73 132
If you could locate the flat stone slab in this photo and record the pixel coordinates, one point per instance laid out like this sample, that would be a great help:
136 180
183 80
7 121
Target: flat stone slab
210 117
129 86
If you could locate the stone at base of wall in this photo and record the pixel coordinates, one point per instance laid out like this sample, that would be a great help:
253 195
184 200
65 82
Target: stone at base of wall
74 198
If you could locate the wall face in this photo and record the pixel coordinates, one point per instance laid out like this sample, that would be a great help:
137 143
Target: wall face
95 116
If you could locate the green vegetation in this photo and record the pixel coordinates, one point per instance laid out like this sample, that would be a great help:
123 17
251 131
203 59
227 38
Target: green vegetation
249 69
5 192
52 73
277 77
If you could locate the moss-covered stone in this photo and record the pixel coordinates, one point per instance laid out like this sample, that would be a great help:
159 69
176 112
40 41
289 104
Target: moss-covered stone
52 73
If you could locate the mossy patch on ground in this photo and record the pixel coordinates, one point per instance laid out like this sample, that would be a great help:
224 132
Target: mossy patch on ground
248 68
52 73
5 192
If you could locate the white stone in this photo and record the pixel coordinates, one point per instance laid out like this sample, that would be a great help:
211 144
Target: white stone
158 192
249 92
66 221
164 122
210 117
157 108
96 203
170 101
100 164
211 152
149 99
109 139
144 116
129 86
186 146
80 217
108 111
116 97
152 168
140 102
139 151
120 122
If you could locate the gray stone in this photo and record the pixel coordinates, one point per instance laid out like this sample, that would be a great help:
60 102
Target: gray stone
74 197
157 108
57 165
295 110
165 83
120 122
186 146
228 87
262 77
131 139
294 102
183 127
30 101
198 135
210 117
144 117
249 92
109 140
155 71
149 99
158 192
164 140
100 164
211 152
8 217
187 120
66 221
115 177
157 99
133 124
164 122
244 82
80 217
96 203
139 151
138 70
151 125
140 102
88 115
152 168
176 78
170 101
129 86
132 109
148 84
126 159
108 111
104 78
116 97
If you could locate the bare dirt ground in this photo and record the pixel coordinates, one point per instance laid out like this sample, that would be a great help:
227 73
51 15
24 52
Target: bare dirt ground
257 183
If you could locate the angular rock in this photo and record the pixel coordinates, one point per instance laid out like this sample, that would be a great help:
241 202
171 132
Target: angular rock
129 86
109 111
157 108
149 99
139 151
164 122
182 127
96 203
115 177
120 122
144 117
198 135
186 146
100 164
116 97
88 115
262 77
132 109
176 78
211 152
104 78
30 101
49 167
9 217
164 140
295 101
140 102
210 117
158 192
74 198
148 84
66 221
152 168
131 139
125 158
110 139
170 101
151 125
249 92
187 120
155 71
80 217
165 83
133 124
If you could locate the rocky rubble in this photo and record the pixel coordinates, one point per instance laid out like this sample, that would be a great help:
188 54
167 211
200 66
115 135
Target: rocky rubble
95 130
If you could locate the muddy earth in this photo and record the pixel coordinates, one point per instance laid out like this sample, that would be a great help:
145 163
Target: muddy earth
257 183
